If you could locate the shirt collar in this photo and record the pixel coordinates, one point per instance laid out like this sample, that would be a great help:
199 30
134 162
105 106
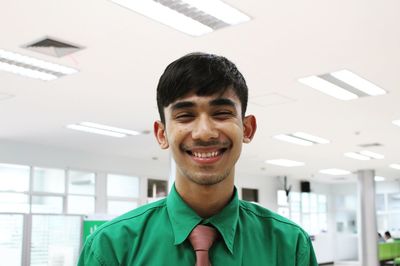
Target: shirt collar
184 219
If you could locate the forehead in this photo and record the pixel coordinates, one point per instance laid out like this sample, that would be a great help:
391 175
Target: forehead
196 100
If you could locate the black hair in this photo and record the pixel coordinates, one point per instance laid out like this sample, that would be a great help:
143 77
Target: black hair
388 235
201 73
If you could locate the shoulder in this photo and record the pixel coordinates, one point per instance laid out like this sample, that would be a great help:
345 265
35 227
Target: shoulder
133 217
280 230
267 215
109 241
270 222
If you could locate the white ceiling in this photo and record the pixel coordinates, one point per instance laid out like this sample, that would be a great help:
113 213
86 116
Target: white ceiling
125 53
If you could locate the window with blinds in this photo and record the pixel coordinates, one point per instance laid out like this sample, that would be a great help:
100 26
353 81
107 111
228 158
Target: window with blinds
45 206
11 235
55 240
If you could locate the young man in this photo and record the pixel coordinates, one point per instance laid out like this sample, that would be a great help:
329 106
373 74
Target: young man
202 100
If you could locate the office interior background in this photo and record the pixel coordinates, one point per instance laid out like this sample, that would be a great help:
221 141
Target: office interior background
68 66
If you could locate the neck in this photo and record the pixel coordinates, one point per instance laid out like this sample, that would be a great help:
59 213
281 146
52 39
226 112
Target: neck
205 200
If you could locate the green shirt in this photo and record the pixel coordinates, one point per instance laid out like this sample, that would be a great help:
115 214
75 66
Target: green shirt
156 234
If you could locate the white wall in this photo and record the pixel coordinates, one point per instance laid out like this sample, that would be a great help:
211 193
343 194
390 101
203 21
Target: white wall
267 187
28 154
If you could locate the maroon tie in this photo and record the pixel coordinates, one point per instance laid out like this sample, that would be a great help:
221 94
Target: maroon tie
202 237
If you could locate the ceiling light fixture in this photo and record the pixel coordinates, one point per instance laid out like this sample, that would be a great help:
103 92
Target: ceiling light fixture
14 166
357 156
32 67
292 139
335 171
379 178
189 16
110 128
285 162
358 82
364 155
309 137
301 138
372 155
103 129
343 85
395 166
396 122
326 87
96 131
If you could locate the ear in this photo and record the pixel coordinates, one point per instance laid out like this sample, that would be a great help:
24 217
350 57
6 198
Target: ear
160 134
249 128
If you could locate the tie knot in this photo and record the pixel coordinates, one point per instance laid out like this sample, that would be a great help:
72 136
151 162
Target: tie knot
202 237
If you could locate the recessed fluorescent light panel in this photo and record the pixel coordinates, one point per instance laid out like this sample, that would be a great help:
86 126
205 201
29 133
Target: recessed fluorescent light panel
96 131
301 138
364 155
32 67
395 166
103 129
343 85
293 139
396 122
284 162
372 155
109 128
192 17
309 137
335 171
379 178
357 156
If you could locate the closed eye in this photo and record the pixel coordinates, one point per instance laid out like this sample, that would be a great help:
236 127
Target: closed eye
184 117
223 114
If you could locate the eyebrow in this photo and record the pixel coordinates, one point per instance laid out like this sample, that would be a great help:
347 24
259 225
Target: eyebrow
222 102
215 102
182 105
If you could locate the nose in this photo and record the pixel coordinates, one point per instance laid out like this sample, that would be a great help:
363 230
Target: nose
204 129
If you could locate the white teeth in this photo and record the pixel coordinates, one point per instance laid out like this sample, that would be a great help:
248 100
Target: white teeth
206 154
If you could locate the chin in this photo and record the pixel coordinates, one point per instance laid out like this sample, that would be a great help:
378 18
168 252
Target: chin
207 180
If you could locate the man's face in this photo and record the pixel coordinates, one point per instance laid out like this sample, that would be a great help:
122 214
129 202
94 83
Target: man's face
205 134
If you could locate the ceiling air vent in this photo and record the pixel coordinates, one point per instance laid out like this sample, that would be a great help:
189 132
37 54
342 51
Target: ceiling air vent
53 47
368 145
194 13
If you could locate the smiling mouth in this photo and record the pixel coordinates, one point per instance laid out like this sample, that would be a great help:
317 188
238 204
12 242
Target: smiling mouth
206 155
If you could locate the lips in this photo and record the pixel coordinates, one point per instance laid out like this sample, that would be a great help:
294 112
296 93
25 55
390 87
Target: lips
205 154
